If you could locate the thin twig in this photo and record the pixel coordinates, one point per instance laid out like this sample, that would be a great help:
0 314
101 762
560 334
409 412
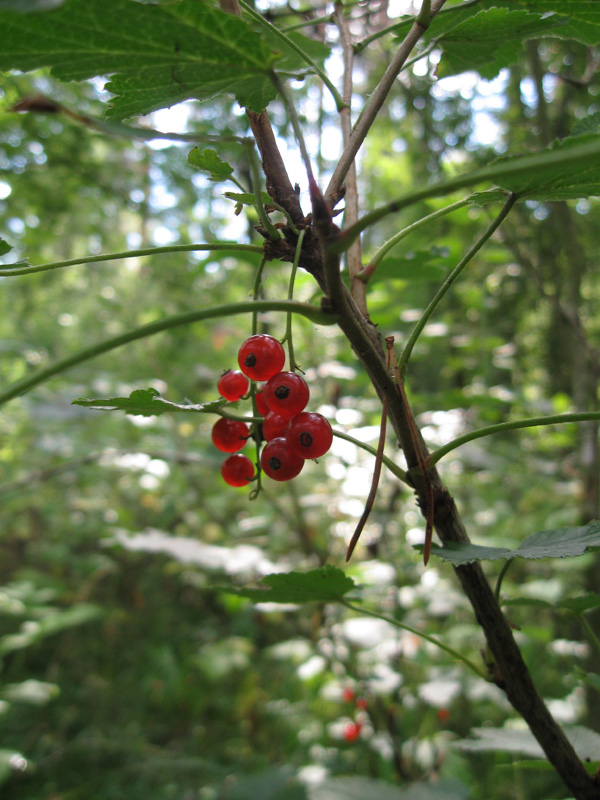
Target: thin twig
376 101
353 254
378 461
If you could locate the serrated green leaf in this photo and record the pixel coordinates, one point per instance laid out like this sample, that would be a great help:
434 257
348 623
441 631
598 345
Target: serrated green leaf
208 160
589 124
158 55
147 403
558 543
491 40
324 585
4 247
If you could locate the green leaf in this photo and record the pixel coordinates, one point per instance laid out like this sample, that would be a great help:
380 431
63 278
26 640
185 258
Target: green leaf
157 55
589 124
4 247
510 740
591 678
492 39
558 543
208 161
323 585
147 403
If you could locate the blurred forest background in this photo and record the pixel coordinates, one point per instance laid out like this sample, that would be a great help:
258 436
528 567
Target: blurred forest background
125 671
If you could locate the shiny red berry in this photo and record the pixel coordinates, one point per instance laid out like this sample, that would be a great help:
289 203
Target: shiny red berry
233 385
352 731
309 434
261 403
287 393
230 435
348 694
274 426
261 357
278 461
237 470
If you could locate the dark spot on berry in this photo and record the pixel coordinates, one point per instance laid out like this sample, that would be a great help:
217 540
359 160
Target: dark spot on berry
250 360
274 463
306 439
281 392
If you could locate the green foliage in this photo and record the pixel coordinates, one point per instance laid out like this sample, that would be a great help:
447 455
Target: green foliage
559 543
147 403
324 585
207 160
157 55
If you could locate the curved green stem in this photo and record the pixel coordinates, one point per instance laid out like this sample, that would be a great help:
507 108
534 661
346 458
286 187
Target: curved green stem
393 468
288 327
454 653
271 230
590 631
368 270
256 294
339 102
532 422
186 318
440 294
503 572
9 272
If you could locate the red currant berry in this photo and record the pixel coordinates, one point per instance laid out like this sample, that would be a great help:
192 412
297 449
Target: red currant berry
274 426
361 703
443 715
261 403
232 385
352 731
287 393
278 461
230 435
309 434
261 357
237 470
348 695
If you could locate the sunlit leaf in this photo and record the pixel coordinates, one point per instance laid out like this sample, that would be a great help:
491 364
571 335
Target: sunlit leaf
324 585
147 403
558 543
208 160
510 740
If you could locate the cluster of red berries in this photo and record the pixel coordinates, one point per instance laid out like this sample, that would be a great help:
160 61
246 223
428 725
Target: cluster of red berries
292 435
352 729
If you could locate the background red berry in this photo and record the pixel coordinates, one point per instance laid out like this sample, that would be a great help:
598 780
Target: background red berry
287 393
361 703
261 356
230 435
274 426
237 470
278 461
309 434
352 731
348 694
232 385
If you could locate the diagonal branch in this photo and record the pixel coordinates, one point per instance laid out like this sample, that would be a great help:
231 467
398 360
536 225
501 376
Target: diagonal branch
376 100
